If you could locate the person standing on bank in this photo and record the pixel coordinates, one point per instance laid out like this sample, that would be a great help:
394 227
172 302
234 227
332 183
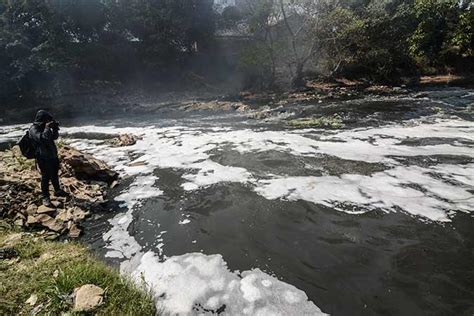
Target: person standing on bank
43 132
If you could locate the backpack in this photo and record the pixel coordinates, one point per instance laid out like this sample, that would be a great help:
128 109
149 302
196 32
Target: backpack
27 146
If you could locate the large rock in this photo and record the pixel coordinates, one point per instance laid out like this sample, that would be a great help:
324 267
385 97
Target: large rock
75 214
31 209
74 231
85 167
87 298
31 220
125 140
53 225
44 209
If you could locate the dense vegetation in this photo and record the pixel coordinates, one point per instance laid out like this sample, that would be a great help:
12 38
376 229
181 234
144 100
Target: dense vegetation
47 48
50 48
381 40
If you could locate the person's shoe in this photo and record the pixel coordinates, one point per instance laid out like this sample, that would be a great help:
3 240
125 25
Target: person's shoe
61 193
47 202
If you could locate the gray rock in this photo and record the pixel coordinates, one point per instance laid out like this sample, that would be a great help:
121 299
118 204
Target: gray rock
87 298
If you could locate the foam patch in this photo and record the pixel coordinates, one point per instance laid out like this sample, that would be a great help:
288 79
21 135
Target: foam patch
194 283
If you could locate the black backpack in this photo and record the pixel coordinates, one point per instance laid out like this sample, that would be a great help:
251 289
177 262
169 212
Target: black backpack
27 146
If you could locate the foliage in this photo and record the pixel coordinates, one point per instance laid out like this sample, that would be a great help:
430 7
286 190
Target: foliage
50 48
377 40
431 39
463 38
255 64
46 47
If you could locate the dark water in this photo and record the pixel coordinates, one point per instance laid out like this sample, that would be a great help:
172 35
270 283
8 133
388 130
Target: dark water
369 264
366 264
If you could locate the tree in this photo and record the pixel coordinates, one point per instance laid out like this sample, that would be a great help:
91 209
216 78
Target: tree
32 46
46 46
444 33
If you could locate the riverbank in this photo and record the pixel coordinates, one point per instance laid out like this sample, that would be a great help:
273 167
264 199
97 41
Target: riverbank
108 103
43 270
41 277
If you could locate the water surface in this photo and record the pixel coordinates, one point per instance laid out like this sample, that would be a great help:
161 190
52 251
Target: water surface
371 219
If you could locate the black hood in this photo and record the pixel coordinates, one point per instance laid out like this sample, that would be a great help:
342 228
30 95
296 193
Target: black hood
43 117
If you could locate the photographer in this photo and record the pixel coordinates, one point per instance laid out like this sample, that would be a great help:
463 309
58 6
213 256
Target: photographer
44 131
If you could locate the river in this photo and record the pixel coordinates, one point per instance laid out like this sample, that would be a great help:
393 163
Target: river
223 214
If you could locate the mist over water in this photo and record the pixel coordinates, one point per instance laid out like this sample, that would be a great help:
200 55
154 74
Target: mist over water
365 220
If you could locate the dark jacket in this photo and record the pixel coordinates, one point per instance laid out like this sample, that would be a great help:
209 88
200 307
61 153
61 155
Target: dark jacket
44 137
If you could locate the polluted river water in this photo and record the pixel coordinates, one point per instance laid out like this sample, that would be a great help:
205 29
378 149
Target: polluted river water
222 214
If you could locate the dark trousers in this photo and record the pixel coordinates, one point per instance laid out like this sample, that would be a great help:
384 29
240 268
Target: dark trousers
49 172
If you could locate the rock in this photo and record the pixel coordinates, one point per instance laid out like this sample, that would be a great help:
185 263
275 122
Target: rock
19 191
242 108
31 220
85 167
58 202
53 224
51 236
74 231
78 214
31 209
43 217
125 140
44 209
32 300
64 215
75 214
87 298
19 222
137 164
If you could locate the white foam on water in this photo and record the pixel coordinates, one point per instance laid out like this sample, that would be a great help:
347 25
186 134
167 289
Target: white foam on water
12 132
389 190
118 239
189 149
211 173
184 282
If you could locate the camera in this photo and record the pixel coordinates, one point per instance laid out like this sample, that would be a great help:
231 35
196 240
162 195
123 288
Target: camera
54 125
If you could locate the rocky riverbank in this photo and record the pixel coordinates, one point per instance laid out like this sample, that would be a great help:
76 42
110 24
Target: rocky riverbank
86 179
108 104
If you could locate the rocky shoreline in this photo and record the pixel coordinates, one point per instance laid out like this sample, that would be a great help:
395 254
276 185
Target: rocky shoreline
85 178
104 104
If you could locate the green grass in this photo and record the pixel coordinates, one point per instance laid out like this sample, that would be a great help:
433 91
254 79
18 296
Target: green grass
60 143
321 122
52 270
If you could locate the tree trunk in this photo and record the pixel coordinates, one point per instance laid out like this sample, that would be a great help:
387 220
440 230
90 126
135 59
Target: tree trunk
298 81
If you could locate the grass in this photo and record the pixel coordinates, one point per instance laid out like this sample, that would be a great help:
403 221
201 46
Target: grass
334 121
52 270
20 163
